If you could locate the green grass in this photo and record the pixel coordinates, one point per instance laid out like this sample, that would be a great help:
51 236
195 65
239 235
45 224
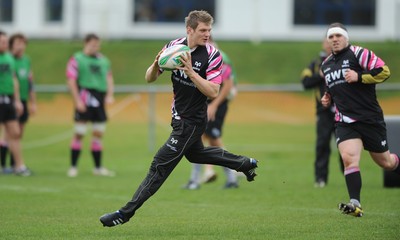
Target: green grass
281 204
265 63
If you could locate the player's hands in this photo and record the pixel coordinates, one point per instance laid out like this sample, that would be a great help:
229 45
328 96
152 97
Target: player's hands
186 60
321 74
155 63
211 111
19 108
109 99
80 106
351 76
153 71
326 100
32 108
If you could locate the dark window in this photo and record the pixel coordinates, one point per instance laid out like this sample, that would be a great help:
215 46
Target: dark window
173 11
54 10
324 12
6 10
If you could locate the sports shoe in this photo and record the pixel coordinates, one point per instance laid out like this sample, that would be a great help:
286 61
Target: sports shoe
229 185
7 170
191 186
320 184
351 209
72 172
251 173
103 172
24 172
113 219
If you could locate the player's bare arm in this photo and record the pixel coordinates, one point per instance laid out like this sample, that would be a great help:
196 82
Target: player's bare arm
326 100
321 73
223 94
79 105
32 95
153 71
18 104
351 76
209 89
110 89
32 102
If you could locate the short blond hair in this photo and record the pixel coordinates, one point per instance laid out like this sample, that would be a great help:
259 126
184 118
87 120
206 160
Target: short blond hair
194 17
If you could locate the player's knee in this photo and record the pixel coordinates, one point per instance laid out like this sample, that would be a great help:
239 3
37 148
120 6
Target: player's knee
384 160
80 129
387 165
98 129
345 156
17 134
14 133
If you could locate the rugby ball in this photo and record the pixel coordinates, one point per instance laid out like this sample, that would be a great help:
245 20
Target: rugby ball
170 57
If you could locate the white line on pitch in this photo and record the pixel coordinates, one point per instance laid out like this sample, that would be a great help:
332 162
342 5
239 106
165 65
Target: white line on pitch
67 134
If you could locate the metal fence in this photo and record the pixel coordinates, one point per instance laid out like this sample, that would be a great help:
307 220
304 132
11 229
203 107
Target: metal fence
151 88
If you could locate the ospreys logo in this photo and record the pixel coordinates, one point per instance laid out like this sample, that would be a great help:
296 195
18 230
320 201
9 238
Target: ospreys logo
95 69
383 143
346 63
197 66
5 68
173 141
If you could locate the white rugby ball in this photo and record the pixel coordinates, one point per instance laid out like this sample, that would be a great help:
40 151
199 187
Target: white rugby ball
170 57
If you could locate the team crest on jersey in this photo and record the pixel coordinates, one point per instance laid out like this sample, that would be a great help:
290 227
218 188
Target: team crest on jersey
5 68
197 66
346 63
95 69
23 72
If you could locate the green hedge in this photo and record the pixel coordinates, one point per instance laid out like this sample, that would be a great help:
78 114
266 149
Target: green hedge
264 63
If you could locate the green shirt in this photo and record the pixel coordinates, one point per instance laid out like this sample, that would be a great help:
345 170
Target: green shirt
92 71
23 69
7 70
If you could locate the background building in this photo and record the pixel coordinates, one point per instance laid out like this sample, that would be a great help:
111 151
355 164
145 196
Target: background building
254 20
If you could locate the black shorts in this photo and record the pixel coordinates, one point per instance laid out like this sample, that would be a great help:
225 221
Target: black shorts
95 110
25 114
7 109
214 128
373 136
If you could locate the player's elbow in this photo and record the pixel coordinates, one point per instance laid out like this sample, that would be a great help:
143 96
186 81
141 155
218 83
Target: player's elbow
212 96
213 93
150 77
149 80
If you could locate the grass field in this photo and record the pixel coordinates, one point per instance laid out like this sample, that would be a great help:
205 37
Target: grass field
275 128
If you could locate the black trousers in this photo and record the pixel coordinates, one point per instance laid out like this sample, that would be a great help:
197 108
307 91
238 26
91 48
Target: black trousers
185 140
325 130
